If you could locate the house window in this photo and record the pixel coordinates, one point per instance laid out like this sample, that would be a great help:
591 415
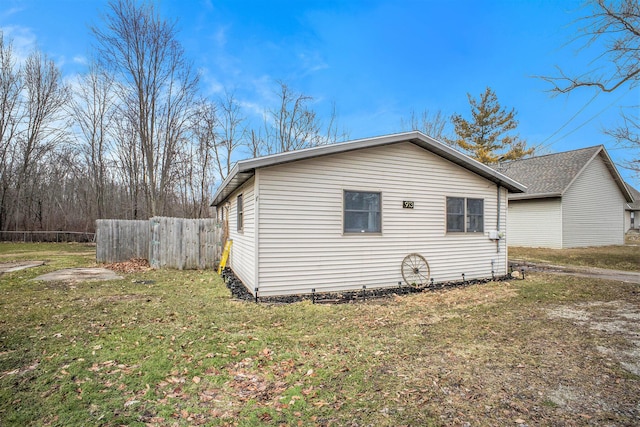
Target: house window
475 215
240 214
455 214
362 212
465 215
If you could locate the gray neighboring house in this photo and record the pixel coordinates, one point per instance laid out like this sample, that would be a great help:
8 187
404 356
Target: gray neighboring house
573 199
632 211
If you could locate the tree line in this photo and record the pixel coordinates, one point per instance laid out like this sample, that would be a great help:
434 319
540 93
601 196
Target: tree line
133 138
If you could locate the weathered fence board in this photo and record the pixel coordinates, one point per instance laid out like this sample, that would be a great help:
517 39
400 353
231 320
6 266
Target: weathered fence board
170 242
119 240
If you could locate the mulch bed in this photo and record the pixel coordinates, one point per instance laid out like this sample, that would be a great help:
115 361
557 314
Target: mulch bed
240 291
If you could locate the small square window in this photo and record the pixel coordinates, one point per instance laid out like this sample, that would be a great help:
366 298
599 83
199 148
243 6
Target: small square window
362 212
465 215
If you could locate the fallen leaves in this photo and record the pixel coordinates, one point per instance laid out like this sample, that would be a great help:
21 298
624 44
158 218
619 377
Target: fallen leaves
20 371
208 395
134 265
176 380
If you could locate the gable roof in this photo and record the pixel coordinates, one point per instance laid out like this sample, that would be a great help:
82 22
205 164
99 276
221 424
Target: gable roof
245 169
552 174
635 205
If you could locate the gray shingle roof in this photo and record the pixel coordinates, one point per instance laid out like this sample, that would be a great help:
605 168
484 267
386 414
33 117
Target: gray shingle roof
550 175
635 206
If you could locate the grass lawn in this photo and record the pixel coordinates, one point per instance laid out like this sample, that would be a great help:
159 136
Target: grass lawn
626 257
165 348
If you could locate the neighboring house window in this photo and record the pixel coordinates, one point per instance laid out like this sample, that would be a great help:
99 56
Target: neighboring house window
240 214
465 215
362 212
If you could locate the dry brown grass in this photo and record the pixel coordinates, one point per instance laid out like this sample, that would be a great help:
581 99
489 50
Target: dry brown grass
177 350
625 257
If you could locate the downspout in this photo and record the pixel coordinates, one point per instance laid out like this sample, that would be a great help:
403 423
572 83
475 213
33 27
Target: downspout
498 220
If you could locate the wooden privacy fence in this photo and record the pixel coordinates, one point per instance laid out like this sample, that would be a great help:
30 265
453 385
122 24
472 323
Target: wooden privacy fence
119 240
165 242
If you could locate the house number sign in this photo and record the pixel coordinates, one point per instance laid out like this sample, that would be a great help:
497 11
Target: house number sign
407 204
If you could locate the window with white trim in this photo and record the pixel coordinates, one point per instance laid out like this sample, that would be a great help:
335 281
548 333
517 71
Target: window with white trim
362 212
465 215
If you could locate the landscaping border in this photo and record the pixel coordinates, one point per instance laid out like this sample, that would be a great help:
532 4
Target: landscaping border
240 291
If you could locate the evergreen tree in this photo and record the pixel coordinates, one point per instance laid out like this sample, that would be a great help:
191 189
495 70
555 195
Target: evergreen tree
486 137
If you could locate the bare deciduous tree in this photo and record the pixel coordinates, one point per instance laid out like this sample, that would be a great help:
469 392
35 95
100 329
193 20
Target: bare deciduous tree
292 125
256 142
11 111
128 158
295 125
141 48
617 25
45 126
93 111
431 124
230 134
203 156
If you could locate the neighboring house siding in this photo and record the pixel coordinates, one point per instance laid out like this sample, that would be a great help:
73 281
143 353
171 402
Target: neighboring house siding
535 223
593 209
301 241
242 256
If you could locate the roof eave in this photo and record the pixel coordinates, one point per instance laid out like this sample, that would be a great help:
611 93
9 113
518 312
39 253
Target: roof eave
526 196
223 189
245 169
467 162
617 177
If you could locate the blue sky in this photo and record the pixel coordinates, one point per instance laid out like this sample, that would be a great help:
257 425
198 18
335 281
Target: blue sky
375 60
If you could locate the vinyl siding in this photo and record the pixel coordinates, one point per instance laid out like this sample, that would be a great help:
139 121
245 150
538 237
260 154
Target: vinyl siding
302 245
593 209
535 223
242 255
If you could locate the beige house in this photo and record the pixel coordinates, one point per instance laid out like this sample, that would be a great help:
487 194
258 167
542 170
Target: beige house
342 216
573 199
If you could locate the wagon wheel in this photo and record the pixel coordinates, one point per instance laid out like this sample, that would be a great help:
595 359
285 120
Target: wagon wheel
415 270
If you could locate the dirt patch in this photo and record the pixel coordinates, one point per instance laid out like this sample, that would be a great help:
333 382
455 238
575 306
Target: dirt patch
79 275
619 318
8 267
589 272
